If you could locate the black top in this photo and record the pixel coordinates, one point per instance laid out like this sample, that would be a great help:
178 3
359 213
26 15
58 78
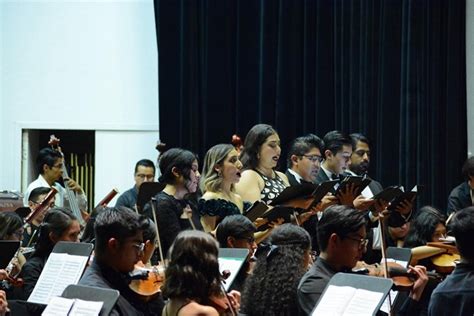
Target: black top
219 207
168 216
455 295
272 187
459 198
30 273
30 233
312 285
128 198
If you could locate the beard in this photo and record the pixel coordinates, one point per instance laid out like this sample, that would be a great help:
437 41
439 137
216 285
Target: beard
360 169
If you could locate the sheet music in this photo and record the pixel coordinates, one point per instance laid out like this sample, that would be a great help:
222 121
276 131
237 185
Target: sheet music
86 308
346 300
60 270
59 306
231 264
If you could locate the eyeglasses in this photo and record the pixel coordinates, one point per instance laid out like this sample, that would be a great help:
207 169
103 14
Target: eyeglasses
249 239
140 247
145 176
362 243
51 205
314 158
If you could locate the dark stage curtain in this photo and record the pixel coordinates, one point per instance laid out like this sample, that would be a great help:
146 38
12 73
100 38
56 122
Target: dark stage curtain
393 70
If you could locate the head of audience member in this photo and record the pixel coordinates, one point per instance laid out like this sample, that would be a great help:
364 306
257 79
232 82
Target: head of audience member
342 236
221 168
179 168
49 163
193 270
59 224
118 238
144 172
35 198
337 152
468 171
305 156
149 238
427 226
11 226
461 226
360 158
272 287
261 148
236 231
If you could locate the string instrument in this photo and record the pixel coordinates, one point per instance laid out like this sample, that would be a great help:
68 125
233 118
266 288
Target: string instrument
446 261
237 143
147 281
222 303
81 216
108 198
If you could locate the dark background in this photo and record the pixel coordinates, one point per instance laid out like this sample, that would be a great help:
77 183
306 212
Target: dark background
392 70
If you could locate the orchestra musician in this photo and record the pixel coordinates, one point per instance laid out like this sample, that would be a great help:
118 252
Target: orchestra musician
272 287
144 172
462 196
11 228
192 278
31 230
179 171
49 165
221 171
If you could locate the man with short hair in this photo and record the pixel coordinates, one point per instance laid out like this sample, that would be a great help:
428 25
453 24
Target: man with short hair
304 159
337 154
455 295
118 247
49 165
237 231
462 196
144 172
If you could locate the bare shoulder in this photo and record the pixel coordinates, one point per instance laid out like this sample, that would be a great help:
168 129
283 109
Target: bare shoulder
195 309
210 196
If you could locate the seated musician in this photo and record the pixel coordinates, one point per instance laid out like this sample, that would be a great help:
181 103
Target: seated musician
455 295
118 247
49 165
144 172
342 240
31 230
3 304
11 228
58 225
462 196
272 287
192 278
237 231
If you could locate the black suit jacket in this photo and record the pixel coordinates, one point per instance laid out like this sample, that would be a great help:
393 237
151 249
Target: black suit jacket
291 178
459 198
321 177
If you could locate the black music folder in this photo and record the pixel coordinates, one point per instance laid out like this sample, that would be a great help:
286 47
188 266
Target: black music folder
388 194
293 192
275 213
146 191
256 210
8 248
353 294
91 293
360 183
409 196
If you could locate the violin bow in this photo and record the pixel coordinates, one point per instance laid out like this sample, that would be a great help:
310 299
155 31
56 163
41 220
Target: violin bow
153 210
384 258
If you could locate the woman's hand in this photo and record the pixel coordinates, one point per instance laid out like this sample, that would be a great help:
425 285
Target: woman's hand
420 283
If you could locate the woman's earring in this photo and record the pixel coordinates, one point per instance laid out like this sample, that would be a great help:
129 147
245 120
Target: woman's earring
219 173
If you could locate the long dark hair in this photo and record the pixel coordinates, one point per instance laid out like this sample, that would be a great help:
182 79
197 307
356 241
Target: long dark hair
56 221
272 287
182 159
253 141
9 223
423 226
193 271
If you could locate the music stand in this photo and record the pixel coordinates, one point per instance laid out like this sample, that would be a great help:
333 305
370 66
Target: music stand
91 293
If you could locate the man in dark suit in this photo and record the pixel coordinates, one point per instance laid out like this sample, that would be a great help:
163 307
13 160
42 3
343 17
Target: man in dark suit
304 159
337 154
462 196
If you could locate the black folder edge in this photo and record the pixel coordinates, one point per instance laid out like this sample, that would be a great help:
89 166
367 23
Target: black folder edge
256 210
410 196
239 254
361 182
388 194
146 191
400 254
91 293
381 285
273 214
8 248
294 191
320 192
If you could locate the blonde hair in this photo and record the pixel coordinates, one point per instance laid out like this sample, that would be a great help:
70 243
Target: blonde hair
211 180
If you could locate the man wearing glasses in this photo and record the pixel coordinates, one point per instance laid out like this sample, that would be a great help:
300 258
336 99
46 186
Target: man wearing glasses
304 159
144 172
337 154
118 247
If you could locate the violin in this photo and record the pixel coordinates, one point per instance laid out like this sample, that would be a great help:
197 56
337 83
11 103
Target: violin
223 302
445 262
147 281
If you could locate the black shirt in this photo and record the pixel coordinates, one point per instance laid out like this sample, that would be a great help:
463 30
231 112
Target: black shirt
128 198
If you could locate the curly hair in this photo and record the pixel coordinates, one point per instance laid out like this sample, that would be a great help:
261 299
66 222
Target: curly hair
210 180
423 226
272 287
193 271
253 141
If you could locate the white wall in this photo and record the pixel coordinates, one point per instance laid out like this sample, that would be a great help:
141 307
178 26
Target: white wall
470 75
79 65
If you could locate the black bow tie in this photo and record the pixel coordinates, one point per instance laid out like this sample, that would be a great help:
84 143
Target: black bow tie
335 177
